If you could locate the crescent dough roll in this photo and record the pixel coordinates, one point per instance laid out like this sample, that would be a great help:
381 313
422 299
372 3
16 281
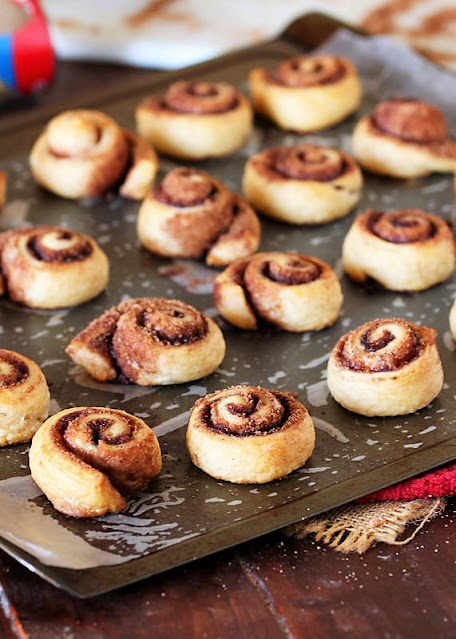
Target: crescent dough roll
303 184
51 267
149 341
306 93
84 153
196 120
404 138
24 397
404 250
292 291
191 214
87 459
386 367
249 435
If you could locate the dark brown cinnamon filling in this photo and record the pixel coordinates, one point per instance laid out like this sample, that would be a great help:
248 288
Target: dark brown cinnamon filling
16 372
295 271
411 120
402 227
307 162
172 326
309 71
74 253
200 98
185 187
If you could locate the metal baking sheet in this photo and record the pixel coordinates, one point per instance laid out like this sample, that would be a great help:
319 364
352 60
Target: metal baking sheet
187 514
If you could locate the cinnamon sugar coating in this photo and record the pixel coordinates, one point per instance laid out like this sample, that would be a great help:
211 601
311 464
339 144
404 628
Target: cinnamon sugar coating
87 459
191 214
149 341
51 267
249 434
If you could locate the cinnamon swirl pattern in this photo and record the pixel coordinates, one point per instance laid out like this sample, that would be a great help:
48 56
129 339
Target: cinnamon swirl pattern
249 435
386 367
404 250
85 153
149 341
404 138
191 214
24 397
307 93
51 267
303 184
292 291
196 120
86 460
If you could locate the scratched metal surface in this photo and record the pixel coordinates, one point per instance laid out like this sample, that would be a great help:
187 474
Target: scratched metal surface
187 514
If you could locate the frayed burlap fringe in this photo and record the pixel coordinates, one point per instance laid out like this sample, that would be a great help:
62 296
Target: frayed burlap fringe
357 527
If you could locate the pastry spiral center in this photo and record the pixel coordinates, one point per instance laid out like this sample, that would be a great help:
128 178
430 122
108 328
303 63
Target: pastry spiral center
186 187
309 70
292 269
309 162
13 370
59 246
381 345
411 120
72 134
201 97
172 323
245 412
402 227
89 430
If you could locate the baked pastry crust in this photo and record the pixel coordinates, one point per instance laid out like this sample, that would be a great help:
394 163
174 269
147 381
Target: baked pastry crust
292 291
87 459
403 250
306 93
404 138
452 320
302 184
386 367
85 153
24 397
249 435
196 120
191 214
149 341
51 267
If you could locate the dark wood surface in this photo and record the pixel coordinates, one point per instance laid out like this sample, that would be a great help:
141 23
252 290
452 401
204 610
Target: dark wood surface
273 587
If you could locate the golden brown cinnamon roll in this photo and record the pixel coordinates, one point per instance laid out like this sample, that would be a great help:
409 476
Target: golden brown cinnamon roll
249 435
386 367
87 459
149 341
404 250
306 93
51 267
191 214
404 137
303 184
84 153
196 120
24 397
292 291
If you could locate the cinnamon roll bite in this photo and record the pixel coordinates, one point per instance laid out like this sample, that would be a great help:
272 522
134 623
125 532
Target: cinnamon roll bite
51 267
306 93
86 460
24 397
196 120
149 341
85 153
386 367
302 184
292 291
404 137
191 214
403 250
249 435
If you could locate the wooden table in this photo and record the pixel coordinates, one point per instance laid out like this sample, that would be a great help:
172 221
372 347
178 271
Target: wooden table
268 588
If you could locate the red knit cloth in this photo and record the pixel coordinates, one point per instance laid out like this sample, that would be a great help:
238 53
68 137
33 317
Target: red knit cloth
435 483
